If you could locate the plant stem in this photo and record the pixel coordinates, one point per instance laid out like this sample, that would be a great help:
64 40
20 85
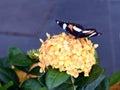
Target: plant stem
72 80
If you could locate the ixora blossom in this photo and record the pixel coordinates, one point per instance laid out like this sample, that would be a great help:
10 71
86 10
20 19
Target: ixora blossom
66 53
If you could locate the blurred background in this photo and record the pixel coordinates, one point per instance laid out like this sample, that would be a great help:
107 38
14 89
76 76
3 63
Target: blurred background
23 22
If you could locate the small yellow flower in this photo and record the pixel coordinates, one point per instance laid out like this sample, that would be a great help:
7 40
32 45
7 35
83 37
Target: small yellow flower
66 53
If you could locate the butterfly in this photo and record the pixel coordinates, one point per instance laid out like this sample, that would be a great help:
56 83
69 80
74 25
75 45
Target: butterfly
77 30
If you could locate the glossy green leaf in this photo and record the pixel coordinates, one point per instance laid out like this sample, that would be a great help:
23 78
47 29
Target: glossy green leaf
42 79
104 85
5 62
7 74
55 78
23 68
67 85
94 74
114 78
18 58
31 84
35 71
93 85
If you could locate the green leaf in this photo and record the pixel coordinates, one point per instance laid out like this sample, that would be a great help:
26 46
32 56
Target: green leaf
94 84
5 62
7 74
23 68
42 79
5 87
8 84
35 71
96 57
31 84
94 74
2 88
55 78
18 58
114 78
104 85
43 88
67 85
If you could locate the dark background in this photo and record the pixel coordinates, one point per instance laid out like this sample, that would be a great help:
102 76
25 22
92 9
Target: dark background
23 22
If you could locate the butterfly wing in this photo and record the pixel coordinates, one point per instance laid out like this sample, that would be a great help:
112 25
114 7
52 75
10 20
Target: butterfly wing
71 28
77 30
91 33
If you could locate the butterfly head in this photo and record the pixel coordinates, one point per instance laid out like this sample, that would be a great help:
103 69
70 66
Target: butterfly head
60 23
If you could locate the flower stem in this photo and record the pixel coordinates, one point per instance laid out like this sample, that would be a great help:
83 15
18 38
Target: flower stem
72 80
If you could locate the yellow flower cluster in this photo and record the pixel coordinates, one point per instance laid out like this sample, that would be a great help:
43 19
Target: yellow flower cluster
66 53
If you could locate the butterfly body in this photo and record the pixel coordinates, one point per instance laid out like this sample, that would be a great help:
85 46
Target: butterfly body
77 30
